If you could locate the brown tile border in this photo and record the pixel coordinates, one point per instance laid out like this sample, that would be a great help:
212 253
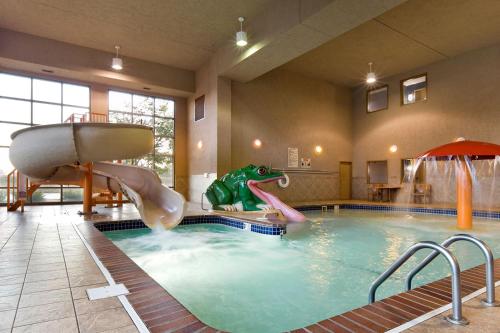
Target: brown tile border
161 312
398 309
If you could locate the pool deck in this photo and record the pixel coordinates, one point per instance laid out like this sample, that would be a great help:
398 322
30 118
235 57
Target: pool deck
45 269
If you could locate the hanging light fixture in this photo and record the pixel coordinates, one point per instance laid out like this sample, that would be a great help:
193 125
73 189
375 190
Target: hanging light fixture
371 78
117 63
241 36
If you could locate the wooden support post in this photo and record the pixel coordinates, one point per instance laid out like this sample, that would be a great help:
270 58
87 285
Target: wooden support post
120 194
464 195
8 191
87 190
120 199
109 198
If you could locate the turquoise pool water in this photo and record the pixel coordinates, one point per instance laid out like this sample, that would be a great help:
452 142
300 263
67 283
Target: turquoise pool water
239 281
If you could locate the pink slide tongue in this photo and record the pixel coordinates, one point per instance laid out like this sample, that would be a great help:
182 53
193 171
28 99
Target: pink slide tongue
291 214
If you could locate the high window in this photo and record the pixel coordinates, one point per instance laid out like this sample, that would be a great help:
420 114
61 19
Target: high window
155 112
28 101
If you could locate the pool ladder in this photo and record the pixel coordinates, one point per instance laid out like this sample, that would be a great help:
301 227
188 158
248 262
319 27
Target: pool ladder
456 316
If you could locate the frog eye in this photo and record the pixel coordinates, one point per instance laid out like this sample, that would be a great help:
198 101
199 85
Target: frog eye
261 171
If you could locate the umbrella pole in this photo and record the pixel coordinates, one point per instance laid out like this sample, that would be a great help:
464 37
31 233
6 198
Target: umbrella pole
464 195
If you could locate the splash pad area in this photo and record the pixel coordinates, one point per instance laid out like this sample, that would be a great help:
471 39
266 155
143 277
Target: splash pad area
473 167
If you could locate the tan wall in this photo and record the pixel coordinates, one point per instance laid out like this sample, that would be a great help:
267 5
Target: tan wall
180 162
27 52
463 101
285 109
202 161
99 99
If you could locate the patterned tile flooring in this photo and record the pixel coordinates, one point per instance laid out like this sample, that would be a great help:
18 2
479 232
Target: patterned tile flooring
45 270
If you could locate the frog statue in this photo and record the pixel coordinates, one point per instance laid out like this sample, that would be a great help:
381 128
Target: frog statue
238 191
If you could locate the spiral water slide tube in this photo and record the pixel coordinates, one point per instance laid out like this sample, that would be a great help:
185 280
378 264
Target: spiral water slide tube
57 154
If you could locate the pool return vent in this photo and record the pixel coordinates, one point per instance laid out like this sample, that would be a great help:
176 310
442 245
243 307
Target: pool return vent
456 316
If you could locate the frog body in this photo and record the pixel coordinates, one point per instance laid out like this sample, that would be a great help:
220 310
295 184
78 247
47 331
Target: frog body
233 193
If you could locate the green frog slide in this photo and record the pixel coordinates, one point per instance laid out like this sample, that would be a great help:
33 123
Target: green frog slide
55 154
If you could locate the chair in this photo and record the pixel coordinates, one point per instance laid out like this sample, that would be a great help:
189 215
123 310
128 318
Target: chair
374 192
422 191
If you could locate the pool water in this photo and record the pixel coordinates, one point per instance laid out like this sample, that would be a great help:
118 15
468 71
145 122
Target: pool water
239 281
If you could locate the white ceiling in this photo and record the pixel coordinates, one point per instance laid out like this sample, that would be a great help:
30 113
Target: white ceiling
411 35
180 33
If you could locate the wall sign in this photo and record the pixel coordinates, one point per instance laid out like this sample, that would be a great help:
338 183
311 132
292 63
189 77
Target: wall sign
293 157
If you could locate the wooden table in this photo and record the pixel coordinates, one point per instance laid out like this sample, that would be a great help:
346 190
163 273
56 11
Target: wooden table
389 188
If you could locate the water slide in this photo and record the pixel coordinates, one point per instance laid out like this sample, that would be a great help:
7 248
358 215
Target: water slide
57 154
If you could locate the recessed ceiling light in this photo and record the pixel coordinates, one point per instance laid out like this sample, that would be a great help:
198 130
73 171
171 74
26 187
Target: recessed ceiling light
393 148
117 63
371 78
318 149
241 36
257 143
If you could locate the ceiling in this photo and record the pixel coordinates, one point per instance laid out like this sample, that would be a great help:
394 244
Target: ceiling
180 33
411 35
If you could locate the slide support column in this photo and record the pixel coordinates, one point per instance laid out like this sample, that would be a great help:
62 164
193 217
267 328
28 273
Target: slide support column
87 190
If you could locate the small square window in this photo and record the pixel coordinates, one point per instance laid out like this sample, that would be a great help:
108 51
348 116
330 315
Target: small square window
414 89
377 99
199 108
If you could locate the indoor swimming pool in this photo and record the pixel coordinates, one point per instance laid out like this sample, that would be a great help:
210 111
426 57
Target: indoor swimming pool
240 281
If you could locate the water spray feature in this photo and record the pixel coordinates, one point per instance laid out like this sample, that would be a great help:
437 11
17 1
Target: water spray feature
463 153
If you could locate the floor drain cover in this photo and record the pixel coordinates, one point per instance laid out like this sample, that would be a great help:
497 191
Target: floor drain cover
107 291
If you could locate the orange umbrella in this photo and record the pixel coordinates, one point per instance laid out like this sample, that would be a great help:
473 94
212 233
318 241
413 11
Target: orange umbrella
474 150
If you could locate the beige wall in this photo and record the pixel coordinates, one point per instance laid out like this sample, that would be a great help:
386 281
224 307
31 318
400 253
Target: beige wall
284 109
180 158
202 162
27 52
463 101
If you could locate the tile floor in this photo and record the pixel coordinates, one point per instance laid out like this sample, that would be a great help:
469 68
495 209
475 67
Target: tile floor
45 270
482 319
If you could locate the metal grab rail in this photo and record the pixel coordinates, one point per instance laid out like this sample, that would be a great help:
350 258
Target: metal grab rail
488 255
456 316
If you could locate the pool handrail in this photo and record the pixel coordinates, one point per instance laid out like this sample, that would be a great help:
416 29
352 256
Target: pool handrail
456 300
489 266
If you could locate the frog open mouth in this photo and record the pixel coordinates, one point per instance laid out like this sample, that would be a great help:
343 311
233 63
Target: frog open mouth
291 214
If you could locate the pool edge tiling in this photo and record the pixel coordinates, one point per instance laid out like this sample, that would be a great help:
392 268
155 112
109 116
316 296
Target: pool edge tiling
239 223
161 312
485 214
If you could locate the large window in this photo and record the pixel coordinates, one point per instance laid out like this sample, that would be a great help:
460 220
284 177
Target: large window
27 101
154 112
